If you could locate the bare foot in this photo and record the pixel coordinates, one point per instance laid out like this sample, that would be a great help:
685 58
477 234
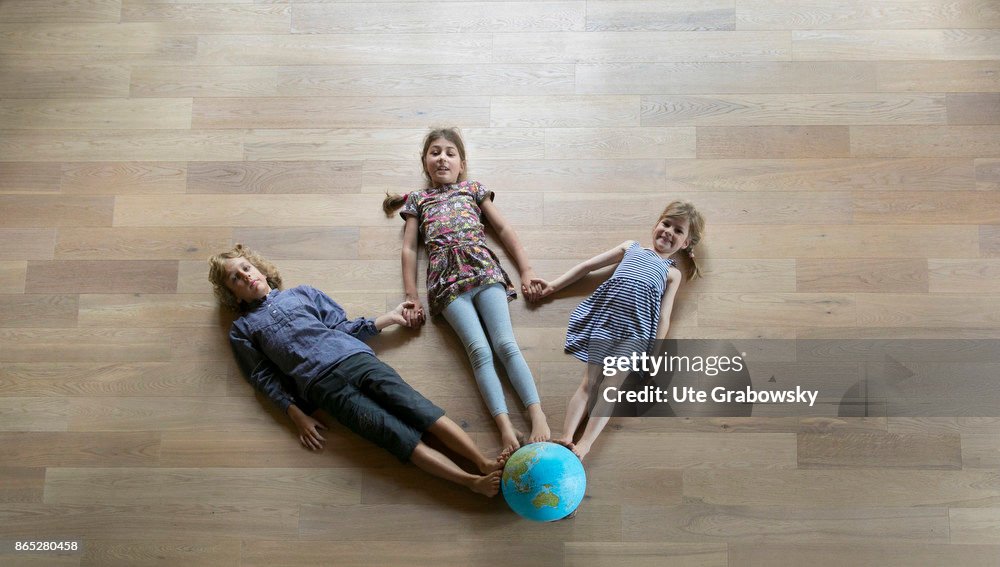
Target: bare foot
487 485
581 450
568 444
503 457
540 431
510 441
487 466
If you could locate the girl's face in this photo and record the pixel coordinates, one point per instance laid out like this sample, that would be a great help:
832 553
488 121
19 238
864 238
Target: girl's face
245 280
670 235
442 162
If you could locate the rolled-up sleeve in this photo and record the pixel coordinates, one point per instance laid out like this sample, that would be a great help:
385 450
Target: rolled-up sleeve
259 371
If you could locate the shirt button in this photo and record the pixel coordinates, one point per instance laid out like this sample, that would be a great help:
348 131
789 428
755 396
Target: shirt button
274 312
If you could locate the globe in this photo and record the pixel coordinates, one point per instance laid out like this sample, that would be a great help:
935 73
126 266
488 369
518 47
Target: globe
543 482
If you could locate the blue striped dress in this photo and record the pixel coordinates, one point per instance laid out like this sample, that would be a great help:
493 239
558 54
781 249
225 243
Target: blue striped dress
622 315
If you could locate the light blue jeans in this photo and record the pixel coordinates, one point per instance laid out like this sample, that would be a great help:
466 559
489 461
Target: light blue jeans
489 303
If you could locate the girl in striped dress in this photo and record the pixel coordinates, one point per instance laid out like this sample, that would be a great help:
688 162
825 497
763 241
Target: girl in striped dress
629 310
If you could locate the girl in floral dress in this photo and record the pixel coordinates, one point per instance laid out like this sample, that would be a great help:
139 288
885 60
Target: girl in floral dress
465 282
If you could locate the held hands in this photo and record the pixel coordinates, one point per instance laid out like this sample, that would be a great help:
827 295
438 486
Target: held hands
409 313
530 286
544 289
309 429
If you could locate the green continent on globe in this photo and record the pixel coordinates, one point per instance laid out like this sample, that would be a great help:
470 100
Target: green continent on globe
545 497
518 466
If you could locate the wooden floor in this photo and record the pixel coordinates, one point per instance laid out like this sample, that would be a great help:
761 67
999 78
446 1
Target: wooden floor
846 154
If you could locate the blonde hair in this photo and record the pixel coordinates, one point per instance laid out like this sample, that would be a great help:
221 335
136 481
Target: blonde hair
696 229
393 202
217 275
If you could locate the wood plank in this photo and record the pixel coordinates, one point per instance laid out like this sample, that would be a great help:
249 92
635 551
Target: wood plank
861 275
145 310
20 310
827 241
295 145
98 38
159 553
720 208
465 17
938 76
419 79
126 243
779 309
161 413
647 15
207 19
202 81
987 174
202 485
770 524
301 243
711 451
177 522
34 414
619 143
333 49
461 553
114 379
944 310
773 142
946 425
21 484
591 111
102 276
641 47
27 243
72 449
29 177
780 77
964 276
799 110
83 345
97 114
980 451
43 211
894 44
126 145
929 141
970 525
279 210
340 112
12 275
863 554
989 241
320 177
973 207
857 14
879 450
851 489
973 108
122 178
61 11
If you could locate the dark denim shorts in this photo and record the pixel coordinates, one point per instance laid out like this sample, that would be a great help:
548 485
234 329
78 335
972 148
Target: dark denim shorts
368 397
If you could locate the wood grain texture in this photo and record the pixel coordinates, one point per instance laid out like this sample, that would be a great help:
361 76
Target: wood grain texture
31 211
37 310
862 275
102 276
856 14
12 275
122 178
773 141
64 11
29 178
156 553
929 141
110 114
863 554
240 177
646 15
938 76
114 379
140 243
207 19
879 450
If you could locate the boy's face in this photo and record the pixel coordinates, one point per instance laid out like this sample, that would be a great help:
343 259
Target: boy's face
245 280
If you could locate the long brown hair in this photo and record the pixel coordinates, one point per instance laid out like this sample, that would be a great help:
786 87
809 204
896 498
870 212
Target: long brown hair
393 202
217 275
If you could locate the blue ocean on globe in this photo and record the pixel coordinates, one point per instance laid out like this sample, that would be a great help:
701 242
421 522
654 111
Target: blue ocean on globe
543 482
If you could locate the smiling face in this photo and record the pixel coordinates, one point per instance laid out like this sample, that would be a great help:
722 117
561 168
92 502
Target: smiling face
245 280
671 235
443 162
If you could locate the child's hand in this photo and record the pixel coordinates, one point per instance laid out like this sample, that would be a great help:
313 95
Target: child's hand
411 313
544 288
529 287
309 429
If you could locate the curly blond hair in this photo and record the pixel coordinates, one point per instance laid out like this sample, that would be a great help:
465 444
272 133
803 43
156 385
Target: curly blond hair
696 229
217 275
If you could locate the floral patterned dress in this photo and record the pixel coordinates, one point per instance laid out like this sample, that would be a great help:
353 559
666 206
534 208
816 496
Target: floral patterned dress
452 228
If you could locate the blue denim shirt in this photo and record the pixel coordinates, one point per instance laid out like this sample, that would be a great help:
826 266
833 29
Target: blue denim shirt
294 337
